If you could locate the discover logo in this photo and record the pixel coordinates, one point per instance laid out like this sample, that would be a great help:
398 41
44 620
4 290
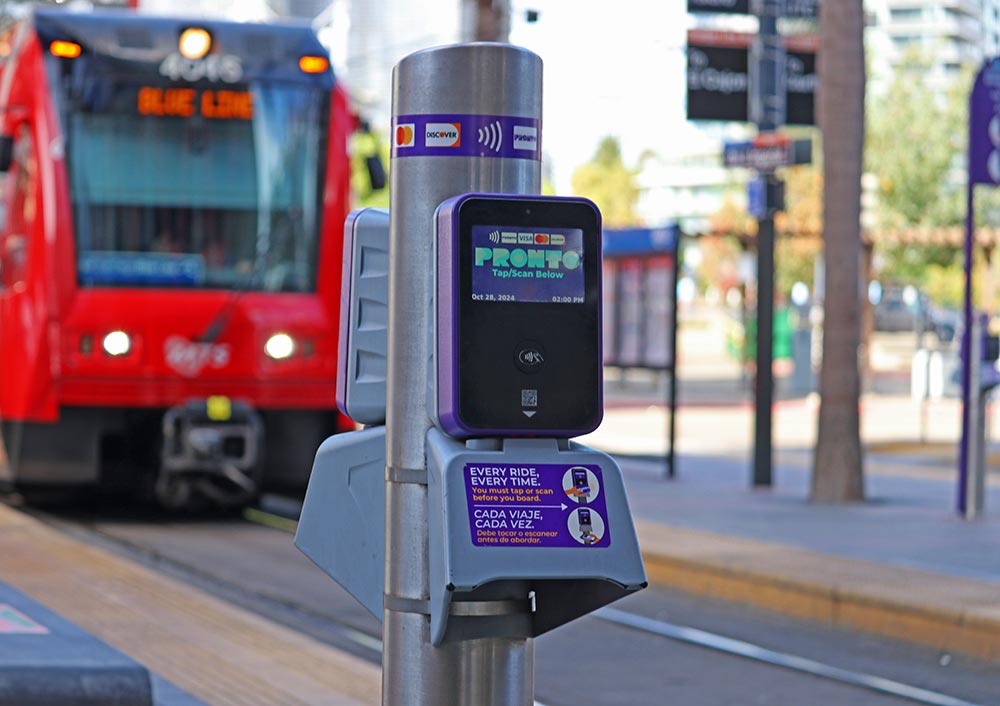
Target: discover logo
443 135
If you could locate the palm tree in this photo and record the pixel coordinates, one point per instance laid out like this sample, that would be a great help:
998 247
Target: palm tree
837 471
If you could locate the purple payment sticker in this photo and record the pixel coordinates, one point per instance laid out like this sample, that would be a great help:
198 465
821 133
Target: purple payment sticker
544 505
447 135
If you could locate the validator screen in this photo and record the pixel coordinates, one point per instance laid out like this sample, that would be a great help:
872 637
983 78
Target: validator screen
512 264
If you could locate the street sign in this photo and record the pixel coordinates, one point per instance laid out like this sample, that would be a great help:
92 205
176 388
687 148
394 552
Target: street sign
984 168
800 80
756 197
729 7
801 9
718 76
798 9
984 126
767 151
765 196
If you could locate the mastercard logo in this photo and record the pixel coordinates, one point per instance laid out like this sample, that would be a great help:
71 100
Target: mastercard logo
404 135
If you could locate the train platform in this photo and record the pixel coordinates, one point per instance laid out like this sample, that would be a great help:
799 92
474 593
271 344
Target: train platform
201 650
901 564
45 659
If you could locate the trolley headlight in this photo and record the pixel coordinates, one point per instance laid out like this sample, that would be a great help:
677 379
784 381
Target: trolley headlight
280 346
117 343
194 43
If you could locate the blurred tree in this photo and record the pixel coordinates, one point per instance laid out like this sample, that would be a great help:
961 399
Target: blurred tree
916 144
719 266
732 217
796 256
802 221
606 181
838 474
914 136
799 225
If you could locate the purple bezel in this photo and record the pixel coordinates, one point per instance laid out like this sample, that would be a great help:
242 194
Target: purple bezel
446 217
347 266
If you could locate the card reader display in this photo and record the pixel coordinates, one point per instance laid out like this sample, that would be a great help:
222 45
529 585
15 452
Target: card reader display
518 316
511 264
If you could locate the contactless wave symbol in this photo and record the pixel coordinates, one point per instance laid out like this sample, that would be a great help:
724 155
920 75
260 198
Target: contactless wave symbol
494 237
491 136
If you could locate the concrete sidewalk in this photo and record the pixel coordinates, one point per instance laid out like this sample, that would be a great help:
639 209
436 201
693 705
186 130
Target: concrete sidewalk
902 564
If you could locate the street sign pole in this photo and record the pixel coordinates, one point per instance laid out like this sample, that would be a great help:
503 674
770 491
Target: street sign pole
767 110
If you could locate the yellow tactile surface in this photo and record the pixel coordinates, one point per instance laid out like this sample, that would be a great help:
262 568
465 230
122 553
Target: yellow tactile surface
221 654
946 612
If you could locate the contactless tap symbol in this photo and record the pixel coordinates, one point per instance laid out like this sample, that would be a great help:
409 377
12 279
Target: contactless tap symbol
531 357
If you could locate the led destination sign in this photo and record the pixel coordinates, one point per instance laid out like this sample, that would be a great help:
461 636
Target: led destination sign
188 102
516 265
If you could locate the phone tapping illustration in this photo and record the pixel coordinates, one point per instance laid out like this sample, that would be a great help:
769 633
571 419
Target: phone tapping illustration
586 525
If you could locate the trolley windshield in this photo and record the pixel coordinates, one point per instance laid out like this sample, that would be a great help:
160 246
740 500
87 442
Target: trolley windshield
194 185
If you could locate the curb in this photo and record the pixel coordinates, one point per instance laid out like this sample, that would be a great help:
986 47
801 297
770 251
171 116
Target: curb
45 659
944 612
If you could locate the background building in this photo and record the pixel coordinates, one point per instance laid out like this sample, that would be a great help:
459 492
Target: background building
952 33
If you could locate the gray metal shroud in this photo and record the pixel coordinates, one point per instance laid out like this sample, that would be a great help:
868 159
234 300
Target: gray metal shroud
467 79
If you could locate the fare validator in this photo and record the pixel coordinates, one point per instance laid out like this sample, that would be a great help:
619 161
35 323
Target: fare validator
524 524
518 316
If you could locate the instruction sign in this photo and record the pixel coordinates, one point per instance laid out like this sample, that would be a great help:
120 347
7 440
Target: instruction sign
984 130
543 505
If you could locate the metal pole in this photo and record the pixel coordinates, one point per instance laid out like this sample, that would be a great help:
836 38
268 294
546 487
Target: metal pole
763 379
459 80
968 349
672 407
976 440
767 108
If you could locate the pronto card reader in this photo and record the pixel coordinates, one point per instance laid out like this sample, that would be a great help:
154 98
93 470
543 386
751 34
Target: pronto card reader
518 316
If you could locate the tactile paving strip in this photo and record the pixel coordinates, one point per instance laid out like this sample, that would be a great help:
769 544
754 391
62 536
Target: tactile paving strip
221 654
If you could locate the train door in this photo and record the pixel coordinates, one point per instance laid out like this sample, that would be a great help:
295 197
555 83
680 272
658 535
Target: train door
19 206
19 217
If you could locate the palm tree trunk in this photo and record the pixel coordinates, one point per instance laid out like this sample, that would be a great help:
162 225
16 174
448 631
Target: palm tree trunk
837 473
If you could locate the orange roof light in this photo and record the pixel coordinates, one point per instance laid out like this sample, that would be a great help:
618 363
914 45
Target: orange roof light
64 49
314 64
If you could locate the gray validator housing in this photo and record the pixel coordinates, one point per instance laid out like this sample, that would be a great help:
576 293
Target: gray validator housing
342 523
476 590
555 584
364 317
